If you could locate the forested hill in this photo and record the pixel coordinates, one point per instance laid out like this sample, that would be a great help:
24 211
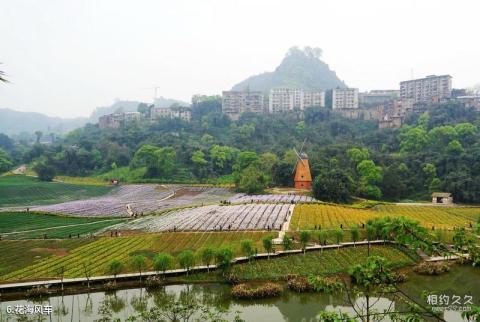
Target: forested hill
435 151
299 69
14 122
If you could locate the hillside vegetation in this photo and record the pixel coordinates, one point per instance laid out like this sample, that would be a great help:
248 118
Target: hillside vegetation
299 69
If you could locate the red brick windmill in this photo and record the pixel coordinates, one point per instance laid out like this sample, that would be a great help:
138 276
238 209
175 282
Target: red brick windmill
303 178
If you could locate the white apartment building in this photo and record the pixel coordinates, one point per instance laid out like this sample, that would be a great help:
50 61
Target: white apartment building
345 98
117 119
234 103
289 99
430 89
171 112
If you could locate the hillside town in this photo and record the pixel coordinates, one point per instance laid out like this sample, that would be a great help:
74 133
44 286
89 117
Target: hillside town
388 107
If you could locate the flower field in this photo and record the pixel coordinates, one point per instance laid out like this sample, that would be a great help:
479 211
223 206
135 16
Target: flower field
20 190
141 198
318 263
271 198
208 218
332 216
97 253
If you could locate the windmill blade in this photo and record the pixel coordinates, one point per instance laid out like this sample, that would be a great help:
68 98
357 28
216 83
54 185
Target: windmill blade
298 156
303 144
294 167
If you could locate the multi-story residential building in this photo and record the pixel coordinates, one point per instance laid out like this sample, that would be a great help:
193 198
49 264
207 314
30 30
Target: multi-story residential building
345 98
289 99
234 103
431 89
117 120
170 112
377 97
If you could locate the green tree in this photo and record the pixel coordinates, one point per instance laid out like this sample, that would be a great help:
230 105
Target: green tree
5 163
139 263
39 135
115 267
162 262
246 246
413 139
455 148
322 237
207 255
245 159
223 257
338 233
355 234
333 186
45 171
186 259
304 239
267 162
268 245
287 242
251 180
370 175
357 155
440 136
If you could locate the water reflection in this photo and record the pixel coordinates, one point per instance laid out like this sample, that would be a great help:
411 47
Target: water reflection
105 306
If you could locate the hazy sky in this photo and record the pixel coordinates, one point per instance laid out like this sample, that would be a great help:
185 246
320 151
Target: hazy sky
65 57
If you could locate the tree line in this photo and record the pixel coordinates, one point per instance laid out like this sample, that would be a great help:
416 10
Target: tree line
434 151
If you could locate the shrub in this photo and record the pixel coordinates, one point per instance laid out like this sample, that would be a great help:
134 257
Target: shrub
325 284
431 268
244 291
299 284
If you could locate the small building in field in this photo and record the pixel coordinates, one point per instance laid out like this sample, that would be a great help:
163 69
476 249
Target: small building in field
442 198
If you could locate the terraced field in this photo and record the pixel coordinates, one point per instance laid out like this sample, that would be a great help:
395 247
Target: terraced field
208 218
98 253
332 216
20 190
144 198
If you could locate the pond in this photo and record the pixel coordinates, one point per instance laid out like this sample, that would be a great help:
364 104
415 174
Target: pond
461 281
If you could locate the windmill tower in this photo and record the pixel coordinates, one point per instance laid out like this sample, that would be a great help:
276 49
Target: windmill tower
303 177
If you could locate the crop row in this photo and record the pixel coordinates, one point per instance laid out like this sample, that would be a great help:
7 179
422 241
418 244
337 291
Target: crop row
140 198
271 198
331 216
99 253
208 218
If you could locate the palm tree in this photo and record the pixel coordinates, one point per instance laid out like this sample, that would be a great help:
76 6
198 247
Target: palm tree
2 77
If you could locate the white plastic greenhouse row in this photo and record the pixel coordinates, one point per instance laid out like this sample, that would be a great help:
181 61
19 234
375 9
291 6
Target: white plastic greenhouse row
211 218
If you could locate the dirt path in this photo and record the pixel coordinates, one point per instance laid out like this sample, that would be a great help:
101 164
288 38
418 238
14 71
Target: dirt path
20 170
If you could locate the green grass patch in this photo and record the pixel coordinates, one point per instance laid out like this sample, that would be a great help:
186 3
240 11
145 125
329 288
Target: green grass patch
21 190
21 221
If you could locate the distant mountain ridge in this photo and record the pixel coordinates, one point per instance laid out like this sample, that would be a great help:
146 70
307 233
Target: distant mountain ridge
299 69
131 106
14 122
